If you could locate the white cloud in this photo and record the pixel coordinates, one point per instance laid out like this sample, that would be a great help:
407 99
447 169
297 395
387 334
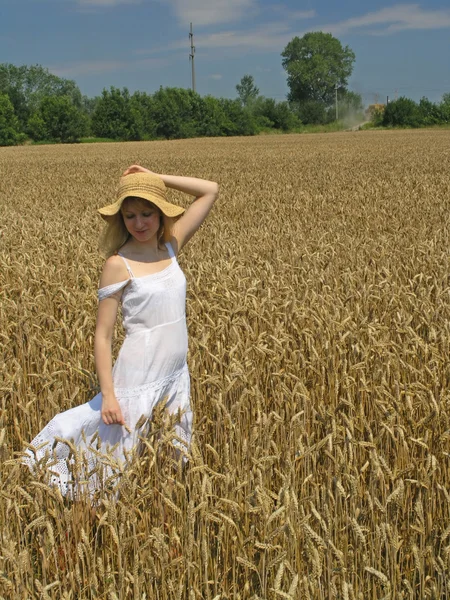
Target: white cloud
396 18
268 37
216 76
383 22
400 17
274 36
104 66
211 12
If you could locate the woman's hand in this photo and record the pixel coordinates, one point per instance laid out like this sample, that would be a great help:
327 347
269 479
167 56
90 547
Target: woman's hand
136 169
111 411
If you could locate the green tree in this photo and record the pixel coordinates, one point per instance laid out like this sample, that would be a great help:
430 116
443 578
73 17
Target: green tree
277 115
402 112
264 109
285 118
36 127
315 64
240 120
430 113
58 120
9 124
247 90
214 121
177 113
142 106
114 117
88 105
26 86
445 108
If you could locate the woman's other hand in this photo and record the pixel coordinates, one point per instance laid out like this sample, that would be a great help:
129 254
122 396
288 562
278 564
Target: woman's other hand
136 169
111 411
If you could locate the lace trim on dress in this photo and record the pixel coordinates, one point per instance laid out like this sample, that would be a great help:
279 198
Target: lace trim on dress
148 387
110 290
158 275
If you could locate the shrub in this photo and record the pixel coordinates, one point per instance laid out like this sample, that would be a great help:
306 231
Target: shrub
240 120
213 121
429 113
403 112
278 115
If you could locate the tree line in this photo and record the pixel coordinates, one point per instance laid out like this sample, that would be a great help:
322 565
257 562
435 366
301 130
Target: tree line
58 112
38 106
405 112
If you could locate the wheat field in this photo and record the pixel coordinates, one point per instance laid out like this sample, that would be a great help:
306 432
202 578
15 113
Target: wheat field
319 322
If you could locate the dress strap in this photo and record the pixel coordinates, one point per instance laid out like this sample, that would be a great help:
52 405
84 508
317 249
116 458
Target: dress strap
170 250
126 264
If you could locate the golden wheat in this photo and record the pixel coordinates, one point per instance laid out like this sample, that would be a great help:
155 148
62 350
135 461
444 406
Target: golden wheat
319 319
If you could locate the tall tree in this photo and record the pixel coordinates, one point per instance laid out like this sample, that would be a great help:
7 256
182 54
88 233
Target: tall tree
315 64
27 86
247 90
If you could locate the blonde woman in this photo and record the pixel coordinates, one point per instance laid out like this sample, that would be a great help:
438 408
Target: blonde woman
143 236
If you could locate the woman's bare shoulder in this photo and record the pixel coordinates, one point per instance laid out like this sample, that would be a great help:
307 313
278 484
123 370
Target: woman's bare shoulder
114 271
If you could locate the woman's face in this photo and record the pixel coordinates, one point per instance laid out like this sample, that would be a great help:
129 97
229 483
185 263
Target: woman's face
142 219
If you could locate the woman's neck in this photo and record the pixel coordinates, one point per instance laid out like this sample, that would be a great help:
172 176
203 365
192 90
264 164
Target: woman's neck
149 249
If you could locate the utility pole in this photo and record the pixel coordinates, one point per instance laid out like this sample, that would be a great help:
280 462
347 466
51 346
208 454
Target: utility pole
337 108
191 58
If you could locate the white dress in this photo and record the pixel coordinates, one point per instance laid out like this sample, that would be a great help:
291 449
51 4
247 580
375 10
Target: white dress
151 366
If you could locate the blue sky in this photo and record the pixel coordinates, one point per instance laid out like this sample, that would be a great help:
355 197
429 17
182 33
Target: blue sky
401 48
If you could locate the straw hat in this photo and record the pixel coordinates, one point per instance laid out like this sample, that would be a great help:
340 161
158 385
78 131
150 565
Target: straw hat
146 186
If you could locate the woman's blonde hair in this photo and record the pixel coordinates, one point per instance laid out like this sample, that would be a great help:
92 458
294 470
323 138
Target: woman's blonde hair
115 233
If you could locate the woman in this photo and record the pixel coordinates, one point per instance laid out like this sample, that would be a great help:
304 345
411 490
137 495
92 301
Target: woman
143 236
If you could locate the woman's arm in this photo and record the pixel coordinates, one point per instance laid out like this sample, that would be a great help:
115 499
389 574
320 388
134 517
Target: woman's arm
205 193
113 272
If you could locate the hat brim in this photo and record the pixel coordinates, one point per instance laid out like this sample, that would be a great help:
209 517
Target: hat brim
167 208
